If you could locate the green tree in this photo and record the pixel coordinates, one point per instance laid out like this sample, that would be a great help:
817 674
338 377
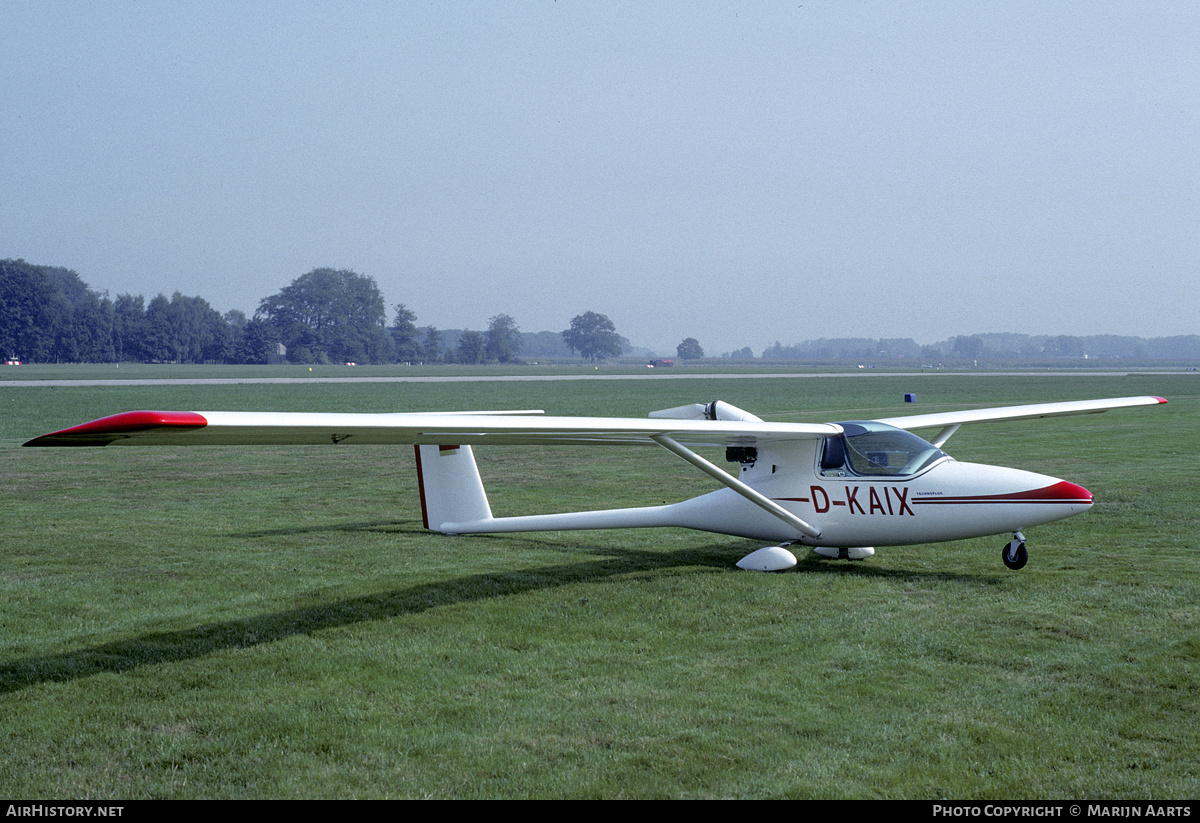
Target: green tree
159 340
472 348
971 346
255 342
27 327
330 315
129 327
92 328
431 345
49 314
593 336
405 337
185 330
502 341
689 349
1064 345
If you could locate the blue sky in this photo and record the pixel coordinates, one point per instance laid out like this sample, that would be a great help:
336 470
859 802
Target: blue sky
742 173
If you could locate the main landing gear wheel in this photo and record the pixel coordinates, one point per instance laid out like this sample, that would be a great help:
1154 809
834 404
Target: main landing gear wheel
1014 554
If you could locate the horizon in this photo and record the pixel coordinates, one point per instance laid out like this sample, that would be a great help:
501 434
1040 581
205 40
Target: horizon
453 331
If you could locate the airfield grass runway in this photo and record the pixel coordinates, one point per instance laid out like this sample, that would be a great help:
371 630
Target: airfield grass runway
275 623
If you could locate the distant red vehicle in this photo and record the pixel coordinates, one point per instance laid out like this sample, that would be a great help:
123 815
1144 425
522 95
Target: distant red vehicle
656 364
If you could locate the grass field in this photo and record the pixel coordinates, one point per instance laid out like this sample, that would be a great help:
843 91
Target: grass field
263 623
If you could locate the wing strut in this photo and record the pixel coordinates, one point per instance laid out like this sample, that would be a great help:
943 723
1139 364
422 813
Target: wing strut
715 472
944 435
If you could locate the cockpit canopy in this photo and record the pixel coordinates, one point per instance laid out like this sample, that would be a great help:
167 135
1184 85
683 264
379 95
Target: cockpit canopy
876 449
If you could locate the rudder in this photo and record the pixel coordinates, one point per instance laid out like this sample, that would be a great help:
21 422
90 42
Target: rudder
450 486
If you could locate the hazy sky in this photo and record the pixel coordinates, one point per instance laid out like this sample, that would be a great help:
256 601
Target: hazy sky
741 173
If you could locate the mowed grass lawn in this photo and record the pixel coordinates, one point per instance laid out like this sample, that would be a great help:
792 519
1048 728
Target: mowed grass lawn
275 623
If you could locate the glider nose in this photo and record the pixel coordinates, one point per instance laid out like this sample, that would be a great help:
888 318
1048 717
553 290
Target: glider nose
1066 492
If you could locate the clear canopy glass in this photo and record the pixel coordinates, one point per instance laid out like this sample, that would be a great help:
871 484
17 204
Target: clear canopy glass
869 449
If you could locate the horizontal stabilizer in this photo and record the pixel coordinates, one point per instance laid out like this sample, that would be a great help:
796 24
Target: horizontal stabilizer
716 410
692 411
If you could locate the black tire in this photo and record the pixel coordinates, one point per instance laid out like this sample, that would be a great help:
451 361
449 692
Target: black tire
1019 560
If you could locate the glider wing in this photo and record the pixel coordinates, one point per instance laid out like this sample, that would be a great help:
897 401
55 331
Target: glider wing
177 428
950 421
957 418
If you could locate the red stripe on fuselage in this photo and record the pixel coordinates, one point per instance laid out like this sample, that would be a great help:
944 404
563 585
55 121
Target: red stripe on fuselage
1061 492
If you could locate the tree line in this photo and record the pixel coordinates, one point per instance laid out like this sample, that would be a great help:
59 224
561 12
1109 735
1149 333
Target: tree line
998 346
48 314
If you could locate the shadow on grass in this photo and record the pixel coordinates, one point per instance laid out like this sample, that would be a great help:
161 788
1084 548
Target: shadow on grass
184 644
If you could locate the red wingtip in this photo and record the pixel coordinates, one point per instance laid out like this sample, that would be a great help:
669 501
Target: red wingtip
1160 399
114 427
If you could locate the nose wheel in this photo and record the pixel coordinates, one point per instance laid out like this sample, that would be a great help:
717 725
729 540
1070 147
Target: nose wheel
1014 554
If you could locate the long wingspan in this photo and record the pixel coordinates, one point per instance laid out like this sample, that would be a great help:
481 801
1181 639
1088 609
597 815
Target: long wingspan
188 428
176 428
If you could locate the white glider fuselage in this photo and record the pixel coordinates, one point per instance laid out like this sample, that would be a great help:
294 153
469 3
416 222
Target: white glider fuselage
947 500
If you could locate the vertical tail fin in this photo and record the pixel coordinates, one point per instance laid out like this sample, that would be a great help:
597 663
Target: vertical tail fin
451 491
